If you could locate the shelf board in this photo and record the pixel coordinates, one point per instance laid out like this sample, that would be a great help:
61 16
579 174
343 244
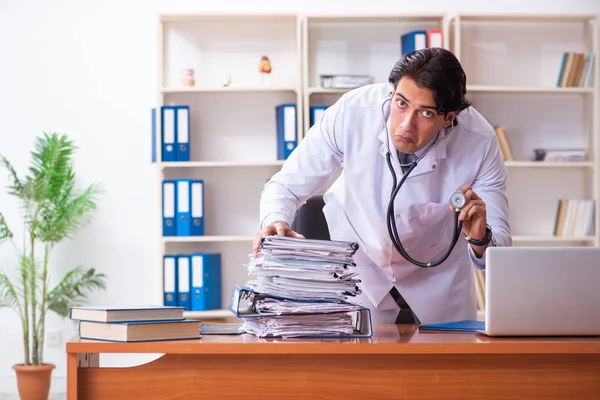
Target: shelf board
225 164
549 164
208 239
375 18
279 163
527 89
209 314
249 238
319 90
230 17
552 239
526 18
231 89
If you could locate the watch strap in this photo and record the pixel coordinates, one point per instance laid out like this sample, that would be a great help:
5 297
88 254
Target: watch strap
481 242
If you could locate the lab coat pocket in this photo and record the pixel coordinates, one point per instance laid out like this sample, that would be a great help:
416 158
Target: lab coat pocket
426 230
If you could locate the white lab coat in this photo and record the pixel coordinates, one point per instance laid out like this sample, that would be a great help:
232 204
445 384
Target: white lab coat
352 132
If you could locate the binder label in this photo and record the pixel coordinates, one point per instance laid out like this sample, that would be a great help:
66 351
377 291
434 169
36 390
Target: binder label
197 205
420 41
183 196
169 200
289 128
197 271
169 126
182 126
319 114
184 274
169 274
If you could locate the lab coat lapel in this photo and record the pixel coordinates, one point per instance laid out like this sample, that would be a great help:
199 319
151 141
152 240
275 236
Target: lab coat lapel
384 148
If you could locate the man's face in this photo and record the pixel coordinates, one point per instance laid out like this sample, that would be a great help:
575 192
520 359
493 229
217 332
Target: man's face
414 120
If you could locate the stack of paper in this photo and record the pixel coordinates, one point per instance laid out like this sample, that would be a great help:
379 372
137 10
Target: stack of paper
300 287
301 325
305 269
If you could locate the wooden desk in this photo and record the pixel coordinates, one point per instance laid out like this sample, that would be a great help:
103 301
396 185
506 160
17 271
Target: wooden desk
397 363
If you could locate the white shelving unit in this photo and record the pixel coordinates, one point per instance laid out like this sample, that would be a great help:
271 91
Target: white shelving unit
358 45
512 64
232 128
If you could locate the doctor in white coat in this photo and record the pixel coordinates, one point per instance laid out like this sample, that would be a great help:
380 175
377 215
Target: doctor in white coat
422 112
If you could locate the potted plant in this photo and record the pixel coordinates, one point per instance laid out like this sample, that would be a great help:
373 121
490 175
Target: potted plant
53 210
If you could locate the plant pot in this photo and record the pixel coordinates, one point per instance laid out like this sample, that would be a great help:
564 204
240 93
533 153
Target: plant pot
33 381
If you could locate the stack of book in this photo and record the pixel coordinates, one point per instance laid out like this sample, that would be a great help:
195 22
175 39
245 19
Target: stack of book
134 324
301 288
574 218
576 69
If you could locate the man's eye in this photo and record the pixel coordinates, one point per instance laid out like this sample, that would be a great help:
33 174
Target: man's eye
401 103
427 114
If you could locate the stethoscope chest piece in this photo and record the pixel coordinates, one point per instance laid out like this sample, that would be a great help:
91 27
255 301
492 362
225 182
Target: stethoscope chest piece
458 200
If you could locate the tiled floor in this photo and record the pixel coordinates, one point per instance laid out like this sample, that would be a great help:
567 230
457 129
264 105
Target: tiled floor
16 397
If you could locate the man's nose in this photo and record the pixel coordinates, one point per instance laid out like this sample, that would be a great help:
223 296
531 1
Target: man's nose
407 121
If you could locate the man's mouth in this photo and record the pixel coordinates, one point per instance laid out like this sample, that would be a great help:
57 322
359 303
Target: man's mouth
404 139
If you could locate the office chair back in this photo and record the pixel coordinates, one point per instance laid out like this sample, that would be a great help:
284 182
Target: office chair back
310 220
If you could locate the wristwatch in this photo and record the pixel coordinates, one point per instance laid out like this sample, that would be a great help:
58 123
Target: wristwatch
481 242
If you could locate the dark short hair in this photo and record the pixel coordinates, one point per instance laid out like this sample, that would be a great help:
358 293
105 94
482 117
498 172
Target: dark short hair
438 70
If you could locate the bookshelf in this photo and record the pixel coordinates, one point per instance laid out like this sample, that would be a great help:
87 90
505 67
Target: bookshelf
513 63
511 81
232 125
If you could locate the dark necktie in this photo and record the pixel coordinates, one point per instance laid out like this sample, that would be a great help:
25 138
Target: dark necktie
406 314
404 160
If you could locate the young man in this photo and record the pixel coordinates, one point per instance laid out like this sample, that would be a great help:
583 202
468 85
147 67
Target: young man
423 116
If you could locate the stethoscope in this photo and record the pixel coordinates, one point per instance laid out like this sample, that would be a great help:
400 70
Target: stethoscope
457 199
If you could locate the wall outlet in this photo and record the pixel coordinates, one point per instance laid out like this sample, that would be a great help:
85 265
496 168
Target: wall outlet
53 338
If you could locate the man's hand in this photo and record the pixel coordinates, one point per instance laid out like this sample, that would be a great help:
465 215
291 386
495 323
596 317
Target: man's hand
276 228
474 218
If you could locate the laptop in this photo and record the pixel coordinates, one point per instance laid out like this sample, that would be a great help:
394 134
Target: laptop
542 291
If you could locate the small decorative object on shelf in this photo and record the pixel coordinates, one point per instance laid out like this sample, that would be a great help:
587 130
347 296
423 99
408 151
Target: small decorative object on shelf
227 80
264 68
187 77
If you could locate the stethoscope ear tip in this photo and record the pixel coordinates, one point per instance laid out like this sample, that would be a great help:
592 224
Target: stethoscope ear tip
458 200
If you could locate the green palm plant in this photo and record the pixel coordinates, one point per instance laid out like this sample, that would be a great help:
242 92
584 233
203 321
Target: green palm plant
53 210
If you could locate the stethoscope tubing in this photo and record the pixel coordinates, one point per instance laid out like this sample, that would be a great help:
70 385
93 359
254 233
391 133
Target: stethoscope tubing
391 221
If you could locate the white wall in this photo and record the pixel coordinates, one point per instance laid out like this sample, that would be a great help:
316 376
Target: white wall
89 69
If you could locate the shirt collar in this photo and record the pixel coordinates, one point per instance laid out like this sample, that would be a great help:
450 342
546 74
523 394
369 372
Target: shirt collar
428 145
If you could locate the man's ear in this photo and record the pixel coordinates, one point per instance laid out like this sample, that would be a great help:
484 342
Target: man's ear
449 119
